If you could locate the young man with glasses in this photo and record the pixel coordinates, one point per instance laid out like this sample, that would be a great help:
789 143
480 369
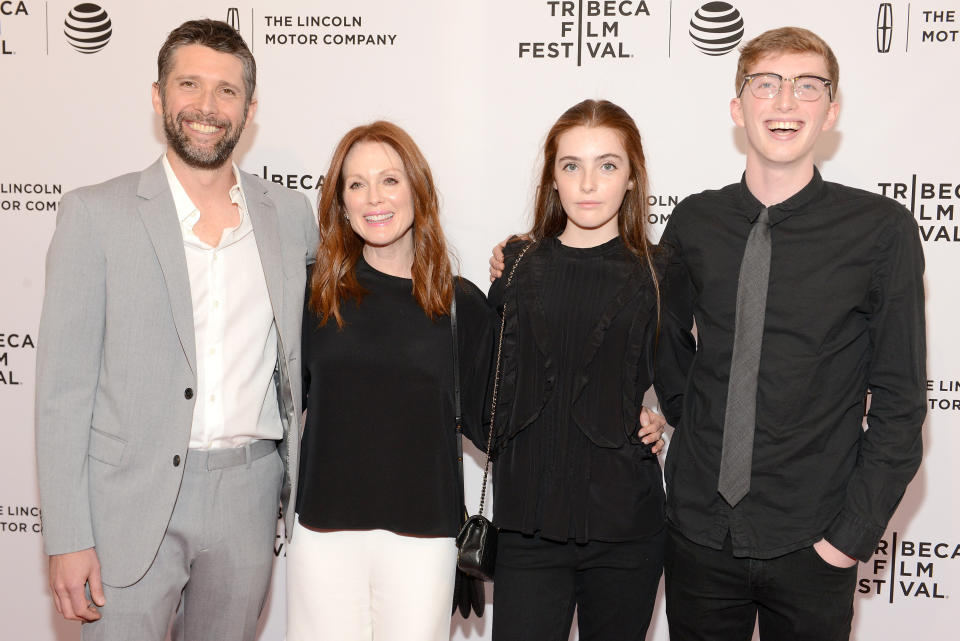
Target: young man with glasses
806 294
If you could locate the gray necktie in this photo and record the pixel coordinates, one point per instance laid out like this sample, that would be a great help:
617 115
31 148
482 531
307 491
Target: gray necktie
740 419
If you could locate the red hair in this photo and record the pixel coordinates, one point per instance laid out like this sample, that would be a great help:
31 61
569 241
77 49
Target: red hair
334 278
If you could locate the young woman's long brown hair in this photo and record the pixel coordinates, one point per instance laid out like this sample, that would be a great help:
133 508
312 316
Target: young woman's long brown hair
334 279
549 219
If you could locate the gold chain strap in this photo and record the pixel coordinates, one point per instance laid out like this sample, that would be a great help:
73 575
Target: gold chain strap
496 375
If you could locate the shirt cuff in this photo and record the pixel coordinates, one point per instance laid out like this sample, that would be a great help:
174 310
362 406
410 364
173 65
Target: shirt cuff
853 536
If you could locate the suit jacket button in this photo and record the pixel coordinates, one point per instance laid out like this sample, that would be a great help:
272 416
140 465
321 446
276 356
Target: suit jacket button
188 393
176 460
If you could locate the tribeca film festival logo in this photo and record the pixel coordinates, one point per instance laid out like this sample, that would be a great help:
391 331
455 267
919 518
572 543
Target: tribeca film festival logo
906 569
590 29
15 341
303 182
933 204
716 28
19 198
938 26
319 30
9 9
88 28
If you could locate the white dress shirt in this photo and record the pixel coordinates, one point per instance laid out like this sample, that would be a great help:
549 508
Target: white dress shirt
236 336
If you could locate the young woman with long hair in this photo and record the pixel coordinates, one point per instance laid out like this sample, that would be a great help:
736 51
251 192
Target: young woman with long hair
578 493
379 503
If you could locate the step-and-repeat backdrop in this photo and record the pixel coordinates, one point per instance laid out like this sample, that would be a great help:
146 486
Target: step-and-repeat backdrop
478 83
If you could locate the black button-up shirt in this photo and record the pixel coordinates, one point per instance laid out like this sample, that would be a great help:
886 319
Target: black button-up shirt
845 314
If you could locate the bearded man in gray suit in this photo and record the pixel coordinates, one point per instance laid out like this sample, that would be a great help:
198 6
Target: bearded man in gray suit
168 394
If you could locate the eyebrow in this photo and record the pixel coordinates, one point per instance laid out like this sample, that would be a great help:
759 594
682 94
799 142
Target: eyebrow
797 75
600 157
197 76
388 170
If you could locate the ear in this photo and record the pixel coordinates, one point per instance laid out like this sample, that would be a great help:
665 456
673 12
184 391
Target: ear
832 112
555 185
155 97
251 110
629 185
736 112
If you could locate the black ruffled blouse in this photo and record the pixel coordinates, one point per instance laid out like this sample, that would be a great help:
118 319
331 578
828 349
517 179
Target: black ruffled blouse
579 343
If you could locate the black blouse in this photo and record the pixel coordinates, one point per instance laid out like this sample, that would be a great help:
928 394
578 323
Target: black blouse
379 446
579 338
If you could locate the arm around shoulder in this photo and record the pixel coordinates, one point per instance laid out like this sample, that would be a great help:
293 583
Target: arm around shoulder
675 346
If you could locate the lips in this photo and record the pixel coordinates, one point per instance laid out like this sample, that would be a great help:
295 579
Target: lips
784 127
378 217
198 123
588 204
202 128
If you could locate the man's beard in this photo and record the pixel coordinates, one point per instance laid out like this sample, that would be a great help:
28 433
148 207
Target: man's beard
194 155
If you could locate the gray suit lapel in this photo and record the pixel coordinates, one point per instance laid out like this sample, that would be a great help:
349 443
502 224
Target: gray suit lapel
159 216
266 230
263 216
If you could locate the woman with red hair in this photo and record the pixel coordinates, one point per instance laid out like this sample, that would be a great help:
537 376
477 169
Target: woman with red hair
379 500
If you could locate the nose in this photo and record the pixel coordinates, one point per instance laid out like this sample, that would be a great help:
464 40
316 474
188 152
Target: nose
207 101
588 181
786 100
373 194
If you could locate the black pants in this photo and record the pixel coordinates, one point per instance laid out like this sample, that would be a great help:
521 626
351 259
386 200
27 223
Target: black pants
714 596
538 583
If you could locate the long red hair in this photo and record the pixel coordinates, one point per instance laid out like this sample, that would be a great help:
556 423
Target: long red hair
334 278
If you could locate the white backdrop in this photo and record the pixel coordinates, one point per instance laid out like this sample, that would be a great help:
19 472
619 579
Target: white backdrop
478 84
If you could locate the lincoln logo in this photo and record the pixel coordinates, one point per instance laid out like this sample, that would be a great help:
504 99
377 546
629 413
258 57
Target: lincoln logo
233 18
884 27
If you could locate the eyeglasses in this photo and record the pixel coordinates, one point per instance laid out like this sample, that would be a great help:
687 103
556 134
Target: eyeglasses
768 85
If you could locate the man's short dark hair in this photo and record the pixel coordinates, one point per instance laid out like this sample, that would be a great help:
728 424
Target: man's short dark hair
216 35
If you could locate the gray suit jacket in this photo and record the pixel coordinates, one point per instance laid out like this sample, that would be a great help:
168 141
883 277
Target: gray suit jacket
115 358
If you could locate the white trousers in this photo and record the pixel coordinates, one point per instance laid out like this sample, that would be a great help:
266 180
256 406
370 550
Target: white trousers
368 585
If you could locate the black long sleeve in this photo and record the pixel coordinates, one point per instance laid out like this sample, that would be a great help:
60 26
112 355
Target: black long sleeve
844 315
379 446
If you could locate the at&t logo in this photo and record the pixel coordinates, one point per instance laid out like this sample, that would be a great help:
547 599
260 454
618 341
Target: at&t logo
88 28
716 28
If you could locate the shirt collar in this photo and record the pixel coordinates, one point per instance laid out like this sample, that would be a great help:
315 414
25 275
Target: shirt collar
795 204
187 212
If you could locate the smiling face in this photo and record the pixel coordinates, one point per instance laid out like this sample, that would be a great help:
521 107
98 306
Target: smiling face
782 131
203 106
378 198
591 176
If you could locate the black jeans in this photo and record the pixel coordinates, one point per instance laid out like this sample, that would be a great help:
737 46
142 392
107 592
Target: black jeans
538 583
714 596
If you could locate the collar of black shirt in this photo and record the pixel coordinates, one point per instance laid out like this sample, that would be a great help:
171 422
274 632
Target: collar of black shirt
794 205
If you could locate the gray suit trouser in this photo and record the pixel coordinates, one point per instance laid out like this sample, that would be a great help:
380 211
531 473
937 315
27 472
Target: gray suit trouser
213 568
